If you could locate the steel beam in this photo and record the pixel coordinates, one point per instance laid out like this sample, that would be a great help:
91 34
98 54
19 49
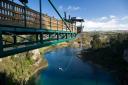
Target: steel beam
1 43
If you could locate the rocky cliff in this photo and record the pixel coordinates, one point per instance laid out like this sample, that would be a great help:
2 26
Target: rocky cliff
18 69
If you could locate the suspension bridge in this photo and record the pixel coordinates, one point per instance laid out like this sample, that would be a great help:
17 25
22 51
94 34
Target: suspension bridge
23 29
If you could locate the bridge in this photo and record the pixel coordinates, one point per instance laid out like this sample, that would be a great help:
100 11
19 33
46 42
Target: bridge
23 29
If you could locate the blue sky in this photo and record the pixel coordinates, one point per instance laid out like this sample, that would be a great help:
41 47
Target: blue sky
95 12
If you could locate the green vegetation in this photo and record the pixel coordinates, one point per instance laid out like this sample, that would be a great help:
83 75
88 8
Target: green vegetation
19 68
107 52
96 42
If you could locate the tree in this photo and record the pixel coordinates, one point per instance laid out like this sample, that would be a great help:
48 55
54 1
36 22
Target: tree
96 42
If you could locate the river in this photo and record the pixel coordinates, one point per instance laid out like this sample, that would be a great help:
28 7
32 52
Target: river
65 68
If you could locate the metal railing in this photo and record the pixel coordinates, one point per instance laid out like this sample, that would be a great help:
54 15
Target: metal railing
13 14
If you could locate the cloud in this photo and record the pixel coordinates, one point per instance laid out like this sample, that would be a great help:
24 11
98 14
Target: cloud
125 18
69 8
103 18
73 8
112 17
60 7
106 24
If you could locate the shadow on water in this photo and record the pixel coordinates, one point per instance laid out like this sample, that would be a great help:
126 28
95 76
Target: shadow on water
110 58
67 69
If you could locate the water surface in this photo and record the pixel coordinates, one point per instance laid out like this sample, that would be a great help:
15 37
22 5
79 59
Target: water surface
67 69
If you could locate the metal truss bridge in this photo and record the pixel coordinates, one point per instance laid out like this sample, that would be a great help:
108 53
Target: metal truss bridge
23 29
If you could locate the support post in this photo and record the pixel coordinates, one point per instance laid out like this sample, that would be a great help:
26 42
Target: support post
62 26
1 43
71 35
57 31
57 25
25 19
75 27
40 6
65 15
14 39
36 37
69 22
50 23
41 37
66 35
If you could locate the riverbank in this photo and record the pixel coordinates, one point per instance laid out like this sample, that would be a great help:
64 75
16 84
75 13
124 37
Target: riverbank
107 52
17 69
52 47
20 69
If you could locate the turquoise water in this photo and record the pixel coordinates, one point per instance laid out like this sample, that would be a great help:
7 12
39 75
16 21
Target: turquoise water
67 69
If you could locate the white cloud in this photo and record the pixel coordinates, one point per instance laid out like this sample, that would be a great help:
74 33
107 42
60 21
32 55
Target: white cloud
112 17
106 24
60 7
69 8
73 8
103 18
125 18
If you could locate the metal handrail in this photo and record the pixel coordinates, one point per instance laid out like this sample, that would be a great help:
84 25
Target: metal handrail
14 17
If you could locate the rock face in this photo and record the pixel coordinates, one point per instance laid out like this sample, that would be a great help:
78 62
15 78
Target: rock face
36 54
19 68
0 60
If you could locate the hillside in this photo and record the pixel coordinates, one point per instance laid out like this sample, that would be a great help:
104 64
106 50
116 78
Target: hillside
109 52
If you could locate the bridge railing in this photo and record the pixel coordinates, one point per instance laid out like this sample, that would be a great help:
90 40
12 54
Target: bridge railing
14 14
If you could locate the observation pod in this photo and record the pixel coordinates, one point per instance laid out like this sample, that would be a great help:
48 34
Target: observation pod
80 27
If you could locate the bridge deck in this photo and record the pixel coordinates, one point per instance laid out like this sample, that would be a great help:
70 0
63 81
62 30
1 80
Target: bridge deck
20 30
15 15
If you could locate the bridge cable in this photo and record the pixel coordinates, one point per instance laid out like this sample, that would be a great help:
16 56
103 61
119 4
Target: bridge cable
59 14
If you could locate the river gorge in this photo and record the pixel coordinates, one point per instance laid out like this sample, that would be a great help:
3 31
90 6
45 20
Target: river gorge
65 68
